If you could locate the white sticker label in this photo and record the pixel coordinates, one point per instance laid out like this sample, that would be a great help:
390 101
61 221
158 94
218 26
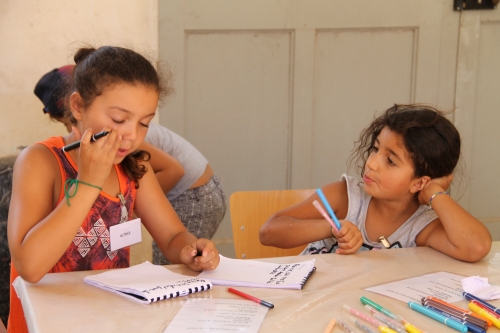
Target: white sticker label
125 234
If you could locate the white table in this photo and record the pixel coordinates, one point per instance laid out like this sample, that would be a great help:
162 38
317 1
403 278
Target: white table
62 302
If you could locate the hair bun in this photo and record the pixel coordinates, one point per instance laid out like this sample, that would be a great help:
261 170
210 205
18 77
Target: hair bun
83 53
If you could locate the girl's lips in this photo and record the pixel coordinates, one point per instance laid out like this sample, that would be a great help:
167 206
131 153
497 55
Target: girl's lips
122 152
367 179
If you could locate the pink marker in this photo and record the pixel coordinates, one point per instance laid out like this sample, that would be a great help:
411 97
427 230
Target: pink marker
324 214
366 318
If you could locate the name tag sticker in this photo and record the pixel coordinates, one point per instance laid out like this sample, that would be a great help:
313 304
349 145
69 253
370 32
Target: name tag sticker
125 234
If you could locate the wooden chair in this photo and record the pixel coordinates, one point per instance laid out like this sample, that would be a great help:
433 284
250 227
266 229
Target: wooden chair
249 211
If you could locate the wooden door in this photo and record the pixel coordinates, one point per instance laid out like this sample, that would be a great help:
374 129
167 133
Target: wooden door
274 93
478 115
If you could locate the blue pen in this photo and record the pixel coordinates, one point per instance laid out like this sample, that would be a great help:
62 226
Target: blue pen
438 317
328 207
470 327
471 297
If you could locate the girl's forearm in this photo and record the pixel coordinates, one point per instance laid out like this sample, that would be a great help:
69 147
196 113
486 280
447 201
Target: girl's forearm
172 250
464 231
288 232
44 244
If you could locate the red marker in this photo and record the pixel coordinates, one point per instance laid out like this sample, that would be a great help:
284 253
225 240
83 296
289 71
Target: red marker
255 299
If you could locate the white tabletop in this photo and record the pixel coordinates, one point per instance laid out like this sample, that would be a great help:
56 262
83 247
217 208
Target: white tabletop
62 302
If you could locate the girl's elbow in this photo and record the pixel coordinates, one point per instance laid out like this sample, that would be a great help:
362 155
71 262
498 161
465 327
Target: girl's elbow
31 275
266 234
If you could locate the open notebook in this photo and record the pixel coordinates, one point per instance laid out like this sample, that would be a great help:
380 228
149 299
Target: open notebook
147 283
252 273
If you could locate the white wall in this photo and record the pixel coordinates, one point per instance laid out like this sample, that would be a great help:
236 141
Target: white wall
37 36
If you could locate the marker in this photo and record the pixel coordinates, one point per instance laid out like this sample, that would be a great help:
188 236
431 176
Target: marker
467 312
328 207
361 326
459 315
470 327
344 326
481 305
255 299
484 313
361 315
329 328
471 297
324 214
438 317
407 324
379 308
76 144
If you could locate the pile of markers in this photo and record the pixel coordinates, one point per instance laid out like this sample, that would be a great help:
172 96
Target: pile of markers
481 316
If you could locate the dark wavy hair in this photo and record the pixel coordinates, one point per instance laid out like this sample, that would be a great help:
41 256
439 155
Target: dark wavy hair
97 69
432 141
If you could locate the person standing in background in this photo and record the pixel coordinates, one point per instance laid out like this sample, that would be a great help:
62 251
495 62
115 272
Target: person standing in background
184 174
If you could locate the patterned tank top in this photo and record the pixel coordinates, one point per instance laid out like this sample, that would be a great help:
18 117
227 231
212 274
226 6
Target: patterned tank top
90 248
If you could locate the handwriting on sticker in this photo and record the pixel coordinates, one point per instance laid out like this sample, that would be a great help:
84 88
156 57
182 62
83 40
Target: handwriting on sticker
125 234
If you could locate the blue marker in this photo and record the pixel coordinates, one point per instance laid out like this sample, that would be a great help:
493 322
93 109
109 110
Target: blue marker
470 327
471 297
328 207
438 317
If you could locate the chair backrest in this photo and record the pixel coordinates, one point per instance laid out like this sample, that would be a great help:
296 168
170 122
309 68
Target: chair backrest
249 211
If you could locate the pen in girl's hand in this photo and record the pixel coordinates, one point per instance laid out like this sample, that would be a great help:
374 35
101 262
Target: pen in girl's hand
76 144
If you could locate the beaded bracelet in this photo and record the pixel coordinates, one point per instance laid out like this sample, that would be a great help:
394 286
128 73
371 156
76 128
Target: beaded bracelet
434 195
69 183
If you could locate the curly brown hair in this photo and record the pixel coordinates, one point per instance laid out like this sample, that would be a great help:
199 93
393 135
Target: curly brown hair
432 141
97 69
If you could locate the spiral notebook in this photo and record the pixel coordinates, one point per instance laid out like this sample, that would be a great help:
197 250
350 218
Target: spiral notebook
147 283
259 274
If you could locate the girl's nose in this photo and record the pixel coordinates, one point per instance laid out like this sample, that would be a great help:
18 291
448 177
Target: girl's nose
130 133
371 162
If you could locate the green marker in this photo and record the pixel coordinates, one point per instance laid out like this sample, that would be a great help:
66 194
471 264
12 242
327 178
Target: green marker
379 308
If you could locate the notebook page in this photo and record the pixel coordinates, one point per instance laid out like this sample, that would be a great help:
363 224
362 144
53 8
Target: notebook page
147 281
252 273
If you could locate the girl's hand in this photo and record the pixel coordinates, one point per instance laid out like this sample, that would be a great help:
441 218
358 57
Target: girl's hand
208 260
433 186
349 238
95 159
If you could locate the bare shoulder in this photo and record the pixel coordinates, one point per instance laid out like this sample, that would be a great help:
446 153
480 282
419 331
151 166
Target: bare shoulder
36 159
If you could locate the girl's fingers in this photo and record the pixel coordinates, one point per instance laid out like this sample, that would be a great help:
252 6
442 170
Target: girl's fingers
85 140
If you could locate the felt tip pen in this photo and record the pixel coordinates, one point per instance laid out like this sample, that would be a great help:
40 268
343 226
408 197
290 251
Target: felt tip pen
470 327
482 312
324 214
407 324
481 305
344 326
361 326
395 325
448 305
252 298
330 326
76 144
438 317
361 315
379 308
328 207
471 297
455 314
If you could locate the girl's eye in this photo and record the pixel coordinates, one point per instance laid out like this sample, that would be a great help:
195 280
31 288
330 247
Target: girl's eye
390 161
118 121
373 149
145 125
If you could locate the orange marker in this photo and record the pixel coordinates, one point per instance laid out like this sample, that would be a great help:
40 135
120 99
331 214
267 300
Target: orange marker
329 328
460 309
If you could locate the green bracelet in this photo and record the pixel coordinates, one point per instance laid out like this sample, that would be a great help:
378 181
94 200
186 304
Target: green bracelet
69 182
434 195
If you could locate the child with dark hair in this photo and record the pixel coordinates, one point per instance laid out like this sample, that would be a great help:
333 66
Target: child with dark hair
65 203
184 174
406 158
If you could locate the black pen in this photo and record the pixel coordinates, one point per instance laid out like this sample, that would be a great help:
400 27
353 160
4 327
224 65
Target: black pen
76 144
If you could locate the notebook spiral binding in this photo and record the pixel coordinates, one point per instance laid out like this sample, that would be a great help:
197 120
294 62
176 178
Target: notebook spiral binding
304 280
190 291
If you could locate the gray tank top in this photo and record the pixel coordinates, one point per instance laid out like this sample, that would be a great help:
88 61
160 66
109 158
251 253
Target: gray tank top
193 162
404 236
